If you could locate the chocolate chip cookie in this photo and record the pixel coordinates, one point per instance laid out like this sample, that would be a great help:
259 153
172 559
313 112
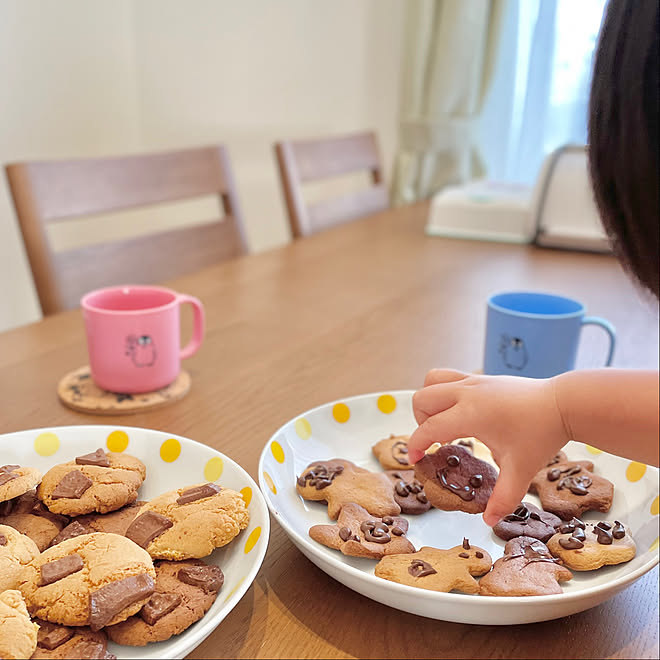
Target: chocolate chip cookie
527 520
63 642
16 480
16 550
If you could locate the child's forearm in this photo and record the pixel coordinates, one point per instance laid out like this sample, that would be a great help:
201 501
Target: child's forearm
615 410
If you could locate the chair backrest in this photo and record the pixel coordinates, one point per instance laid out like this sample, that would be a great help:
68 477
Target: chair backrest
310 160
45 192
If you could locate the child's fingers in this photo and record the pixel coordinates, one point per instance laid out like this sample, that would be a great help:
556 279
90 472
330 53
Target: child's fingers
509 491
432 400
442 428
437 376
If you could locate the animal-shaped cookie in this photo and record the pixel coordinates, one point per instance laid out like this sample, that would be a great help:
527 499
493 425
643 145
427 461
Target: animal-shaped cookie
18 635
16 480
454 479
569 489
16 550
189 523
99 481
359 534
339 482
588 546
438 570
526 569
527 520
57 642
392 452
408 492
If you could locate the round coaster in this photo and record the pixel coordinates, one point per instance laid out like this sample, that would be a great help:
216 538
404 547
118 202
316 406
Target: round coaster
78 391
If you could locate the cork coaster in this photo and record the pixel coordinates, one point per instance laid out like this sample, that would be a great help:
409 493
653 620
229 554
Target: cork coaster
78 391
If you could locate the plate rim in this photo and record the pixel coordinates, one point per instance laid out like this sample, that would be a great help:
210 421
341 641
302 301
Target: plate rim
440 597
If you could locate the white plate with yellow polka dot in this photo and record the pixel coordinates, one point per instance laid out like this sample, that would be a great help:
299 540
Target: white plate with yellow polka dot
348 429
171 461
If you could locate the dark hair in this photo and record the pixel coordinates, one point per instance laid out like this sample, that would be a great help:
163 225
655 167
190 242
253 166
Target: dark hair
623 135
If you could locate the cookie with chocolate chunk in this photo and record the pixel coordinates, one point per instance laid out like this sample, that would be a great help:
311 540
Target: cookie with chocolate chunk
526 569
339 482
571 488
18 635
588 546
455 480
97 482
189 522
16 480
392 452
16 550
438 570
408 492
184 593
527 520
92 580
359 534
63 642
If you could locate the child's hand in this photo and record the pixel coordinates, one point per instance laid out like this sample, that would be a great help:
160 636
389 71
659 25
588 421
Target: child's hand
517 418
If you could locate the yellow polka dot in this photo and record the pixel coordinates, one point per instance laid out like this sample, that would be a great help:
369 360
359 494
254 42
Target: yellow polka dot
277 451
303 428
341 413
594 450
269 482
246 493
170 450
46 444
235 589
386 403
213 469
655 543
635 471
117 441
655 506
252 539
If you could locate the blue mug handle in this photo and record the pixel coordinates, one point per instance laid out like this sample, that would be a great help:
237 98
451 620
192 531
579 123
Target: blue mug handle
609 328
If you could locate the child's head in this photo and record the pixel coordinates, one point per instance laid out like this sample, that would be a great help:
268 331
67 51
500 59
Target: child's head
623 135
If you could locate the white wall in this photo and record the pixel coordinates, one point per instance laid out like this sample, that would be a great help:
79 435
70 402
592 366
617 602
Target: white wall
91 77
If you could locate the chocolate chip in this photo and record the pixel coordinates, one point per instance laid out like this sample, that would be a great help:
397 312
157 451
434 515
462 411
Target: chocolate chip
70 531
72 486
421 497
397 531
388 520
464 555
402 448
479 555
301 481
108 601
419 568
619 530
534 516
400 488
320 476
345 533
3 539
322 483
158 606
50 635
98 458
476 481
578 533
58 569
198 493
146 527
466 544
453 460
604 525
604 537
554 474
571 543
210 578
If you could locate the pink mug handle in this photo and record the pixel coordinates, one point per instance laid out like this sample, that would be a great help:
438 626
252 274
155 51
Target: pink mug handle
198 325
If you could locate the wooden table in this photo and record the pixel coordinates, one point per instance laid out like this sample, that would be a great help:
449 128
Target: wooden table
364 307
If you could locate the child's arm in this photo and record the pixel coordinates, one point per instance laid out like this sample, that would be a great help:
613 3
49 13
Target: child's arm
525 421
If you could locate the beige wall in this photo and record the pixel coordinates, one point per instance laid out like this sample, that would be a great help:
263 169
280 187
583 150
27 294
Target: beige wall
91 77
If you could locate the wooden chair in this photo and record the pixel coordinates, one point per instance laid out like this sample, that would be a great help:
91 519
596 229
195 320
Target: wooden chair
45 192
310 160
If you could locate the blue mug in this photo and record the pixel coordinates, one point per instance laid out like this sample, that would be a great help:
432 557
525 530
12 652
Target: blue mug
536 335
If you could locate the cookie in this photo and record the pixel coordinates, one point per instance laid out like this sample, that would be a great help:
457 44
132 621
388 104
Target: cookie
408 492
359 534
392 452
588 546
437 570
189 522
455 480
526 569
184 593
29 515
92 580
527 520
115 522
16 550
61 642
16 480
569 489
339 482
18 635
100 482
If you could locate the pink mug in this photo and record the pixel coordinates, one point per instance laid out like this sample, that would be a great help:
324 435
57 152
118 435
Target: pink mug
133 336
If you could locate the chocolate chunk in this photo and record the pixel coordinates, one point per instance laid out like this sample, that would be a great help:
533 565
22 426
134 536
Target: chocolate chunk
554 474
388 520
198 493
50 635
98 458
3 539
397 531
209 578
464 555
345 533
9 468
619 530
420 568
6 477
72 485
70 531
108 601
466 544
571 543
479 555
421 497
6 507
158 606
301 481
453 460
89 649
146 527
60 568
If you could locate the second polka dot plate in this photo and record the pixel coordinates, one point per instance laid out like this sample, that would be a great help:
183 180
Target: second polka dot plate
348 429
172 461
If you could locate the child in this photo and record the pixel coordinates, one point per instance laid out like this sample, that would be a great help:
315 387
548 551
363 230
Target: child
524 421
